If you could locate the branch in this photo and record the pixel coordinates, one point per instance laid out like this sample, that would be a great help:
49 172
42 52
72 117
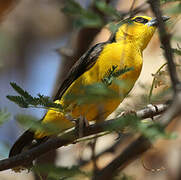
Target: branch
165 41
111 149
139 9
71 137
137 147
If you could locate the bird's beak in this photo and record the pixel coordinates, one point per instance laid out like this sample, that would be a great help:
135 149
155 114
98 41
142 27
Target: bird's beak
154 21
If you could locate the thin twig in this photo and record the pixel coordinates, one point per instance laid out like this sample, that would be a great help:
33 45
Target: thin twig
131 8
111 150
141 8
165 41
153 82
137 147
93 158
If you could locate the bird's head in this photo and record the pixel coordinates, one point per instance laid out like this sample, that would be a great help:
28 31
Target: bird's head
138 29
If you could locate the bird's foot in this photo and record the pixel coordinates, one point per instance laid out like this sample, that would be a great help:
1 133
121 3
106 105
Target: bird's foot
119 135
81 124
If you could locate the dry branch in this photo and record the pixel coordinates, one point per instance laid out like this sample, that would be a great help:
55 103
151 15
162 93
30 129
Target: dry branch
165 41
174 109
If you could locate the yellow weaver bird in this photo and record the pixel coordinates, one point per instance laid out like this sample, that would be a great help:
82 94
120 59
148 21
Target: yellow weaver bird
124 49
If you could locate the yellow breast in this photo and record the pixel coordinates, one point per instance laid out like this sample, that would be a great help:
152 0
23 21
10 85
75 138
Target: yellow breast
119 54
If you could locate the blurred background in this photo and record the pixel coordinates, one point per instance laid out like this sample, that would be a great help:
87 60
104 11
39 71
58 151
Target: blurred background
38 45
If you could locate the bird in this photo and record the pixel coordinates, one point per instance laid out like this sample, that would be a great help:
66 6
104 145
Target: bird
123 50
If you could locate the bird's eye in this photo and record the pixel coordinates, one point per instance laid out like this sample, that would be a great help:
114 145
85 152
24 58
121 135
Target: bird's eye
140 20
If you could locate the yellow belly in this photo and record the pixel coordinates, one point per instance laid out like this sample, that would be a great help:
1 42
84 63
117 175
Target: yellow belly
119 54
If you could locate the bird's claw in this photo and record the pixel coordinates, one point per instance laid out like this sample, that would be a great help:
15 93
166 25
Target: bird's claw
80 124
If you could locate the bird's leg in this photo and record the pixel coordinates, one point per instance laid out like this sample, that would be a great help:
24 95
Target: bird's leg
81 124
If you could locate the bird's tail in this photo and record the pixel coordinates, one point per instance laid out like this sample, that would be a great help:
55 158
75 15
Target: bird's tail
25 141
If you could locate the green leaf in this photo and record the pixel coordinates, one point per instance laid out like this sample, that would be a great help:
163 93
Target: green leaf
4 116
176 51
4 150
114 26
167 1
123 176
72 7
47 102
20 91
153 131
89 20
82 17
28 121
58 173
132 123
123 122
174 9
114 73
94 93
176 38
107 9
19 100
26 100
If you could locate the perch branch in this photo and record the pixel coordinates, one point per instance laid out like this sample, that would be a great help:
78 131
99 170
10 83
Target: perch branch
71 137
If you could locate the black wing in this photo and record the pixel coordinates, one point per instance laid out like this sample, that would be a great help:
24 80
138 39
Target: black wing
85 62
